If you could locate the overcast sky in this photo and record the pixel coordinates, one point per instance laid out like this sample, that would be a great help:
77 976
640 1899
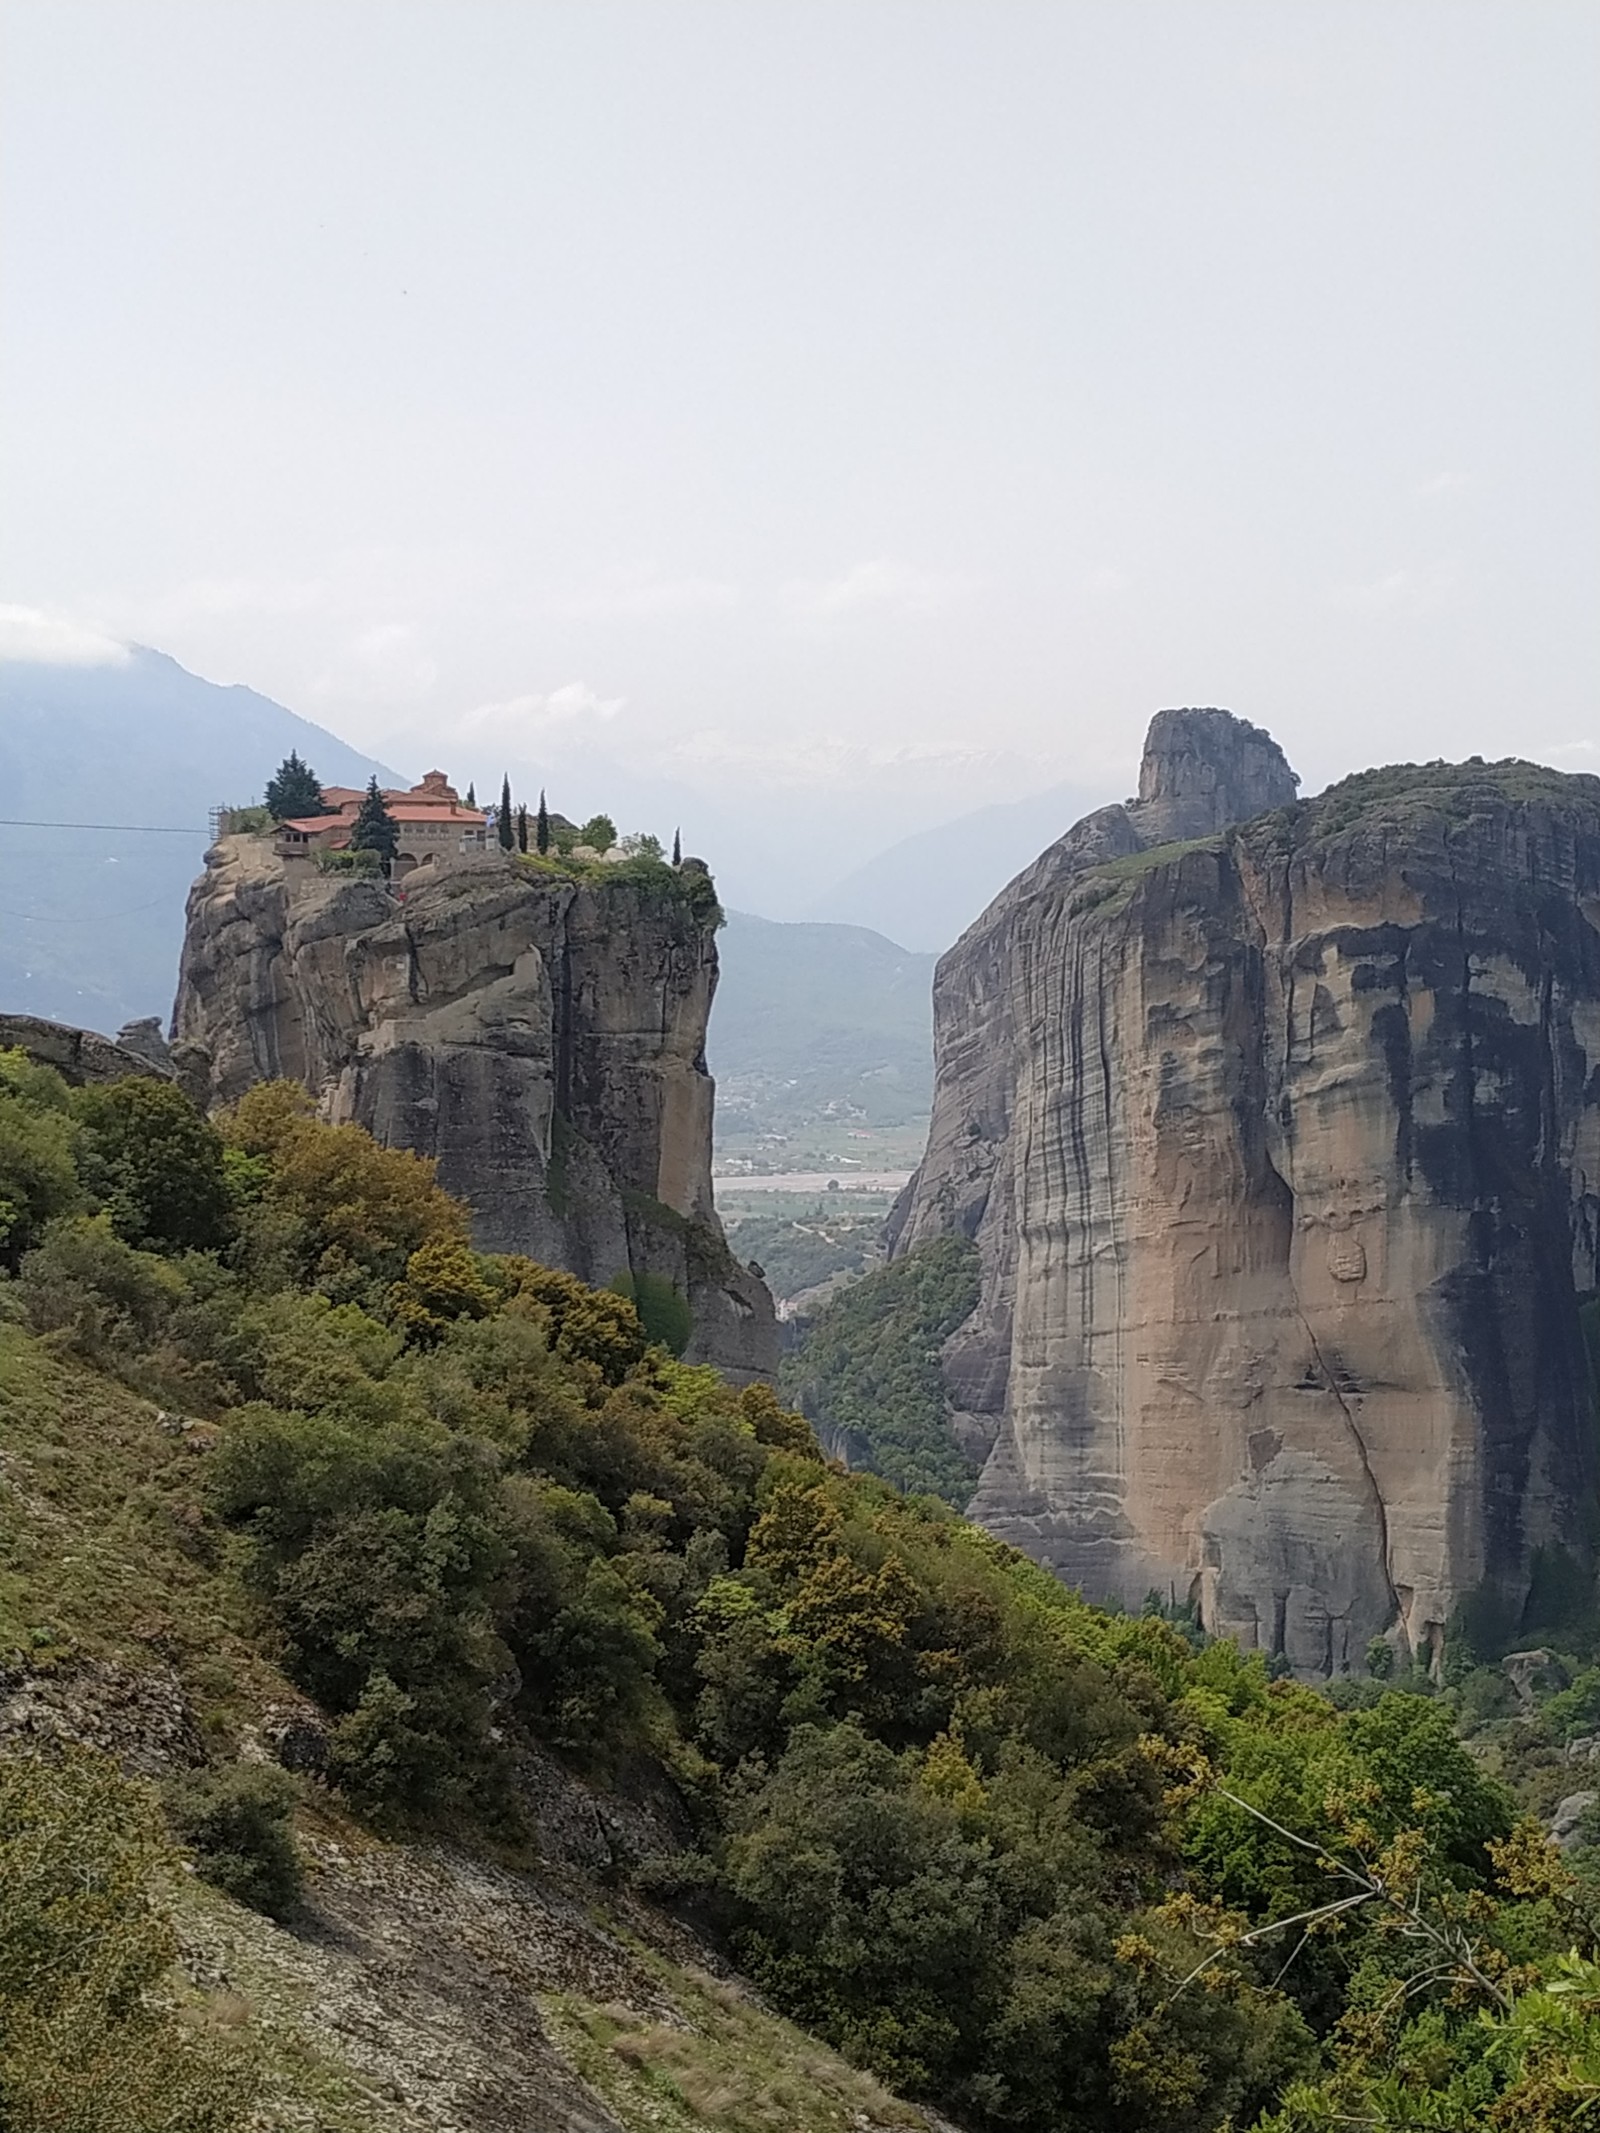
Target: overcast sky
790 394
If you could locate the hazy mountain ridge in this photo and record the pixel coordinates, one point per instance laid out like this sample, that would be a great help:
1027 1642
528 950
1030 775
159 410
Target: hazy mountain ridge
929 887
91 920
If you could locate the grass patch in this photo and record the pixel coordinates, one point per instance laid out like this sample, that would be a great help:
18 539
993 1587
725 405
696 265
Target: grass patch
726 2063
106 1549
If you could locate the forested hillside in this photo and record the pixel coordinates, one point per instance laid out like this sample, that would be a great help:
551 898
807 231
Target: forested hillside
817 1029
360 1549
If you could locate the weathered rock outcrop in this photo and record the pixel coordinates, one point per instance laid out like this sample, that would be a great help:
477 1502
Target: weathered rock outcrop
543 1038
81 1056
1282 1150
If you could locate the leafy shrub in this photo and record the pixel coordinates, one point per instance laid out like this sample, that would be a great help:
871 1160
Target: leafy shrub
594 1326
83 2046
38 1174
444 1281
375 1539
154 1163
357 1211
97 1295
238 1822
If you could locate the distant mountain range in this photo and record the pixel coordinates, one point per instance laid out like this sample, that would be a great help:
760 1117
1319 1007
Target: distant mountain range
927 889
108 775
809 1016
91 918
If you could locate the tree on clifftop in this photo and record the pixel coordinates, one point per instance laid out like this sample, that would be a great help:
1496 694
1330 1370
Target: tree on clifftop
294 790
505 826
541 835
522 829
376 829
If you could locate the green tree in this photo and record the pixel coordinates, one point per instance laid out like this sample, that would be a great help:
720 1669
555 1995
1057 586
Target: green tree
375 828
294 791
38 1177
505 821
378 1541
865 1910
522 829
84 2046
472 795
154 1164
677 848
347 1203
586 1325
542 828
599 833
238 1822
870 1365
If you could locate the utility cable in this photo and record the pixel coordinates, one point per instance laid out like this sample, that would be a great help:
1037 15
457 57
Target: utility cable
143 829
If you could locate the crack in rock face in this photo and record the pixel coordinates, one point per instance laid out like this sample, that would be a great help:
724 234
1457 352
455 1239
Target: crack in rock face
1281 1145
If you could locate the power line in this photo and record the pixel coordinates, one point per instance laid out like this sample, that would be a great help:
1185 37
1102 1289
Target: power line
143 829
91 918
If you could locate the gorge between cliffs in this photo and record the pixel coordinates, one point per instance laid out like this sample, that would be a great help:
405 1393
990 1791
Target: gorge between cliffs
1277 1127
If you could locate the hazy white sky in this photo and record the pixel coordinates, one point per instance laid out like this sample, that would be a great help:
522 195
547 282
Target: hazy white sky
908 394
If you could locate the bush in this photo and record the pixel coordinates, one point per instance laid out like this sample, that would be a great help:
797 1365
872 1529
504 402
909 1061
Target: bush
376 1538
38 1176
238 1823
99 1297
594 1326
154 1164
83 2048
360 1210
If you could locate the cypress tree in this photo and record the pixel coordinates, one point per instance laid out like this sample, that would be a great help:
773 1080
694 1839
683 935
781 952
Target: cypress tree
472 796
376 829
522 829
541 834
505 826
677 848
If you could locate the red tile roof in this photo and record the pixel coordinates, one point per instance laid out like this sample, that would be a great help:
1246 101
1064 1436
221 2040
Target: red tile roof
421 811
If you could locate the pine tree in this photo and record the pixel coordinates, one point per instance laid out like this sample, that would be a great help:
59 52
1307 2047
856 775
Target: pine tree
294 790
522 829
505 826
376 829
472 796
677 848
541 834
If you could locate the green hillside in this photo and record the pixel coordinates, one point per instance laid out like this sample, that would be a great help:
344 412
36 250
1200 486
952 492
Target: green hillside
549 1730
817 1028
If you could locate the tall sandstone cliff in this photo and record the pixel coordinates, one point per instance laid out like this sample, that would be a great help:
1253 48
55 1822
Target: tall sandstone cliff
1281 1145
543 1038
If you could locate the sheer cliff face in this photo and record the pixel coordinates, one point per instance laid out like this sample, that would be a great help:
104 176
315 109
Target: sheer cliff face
1283 1149
543 1039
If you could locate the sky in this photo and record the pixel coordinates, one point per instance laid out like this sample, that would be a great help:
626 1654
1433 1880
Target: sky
846 410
